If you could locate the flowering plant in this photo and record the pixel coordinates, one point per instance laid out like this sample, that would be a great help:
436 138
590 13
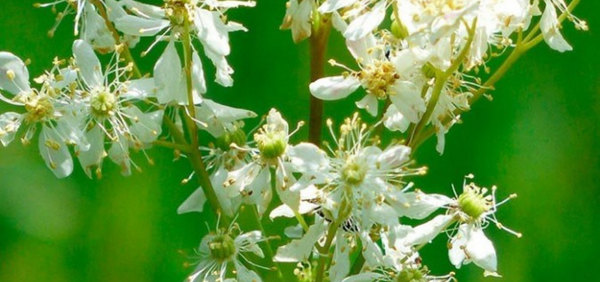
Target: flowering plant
417 65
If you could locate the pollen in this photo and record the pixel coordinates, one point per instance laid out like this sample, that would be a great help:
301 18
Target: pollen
378 77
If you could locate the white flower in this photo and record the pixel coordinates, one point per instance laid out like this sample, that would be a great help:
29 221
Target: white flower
364 19
45 107
89 24
204 19
218 250
270 159
383 74
471 212
298 19
104 102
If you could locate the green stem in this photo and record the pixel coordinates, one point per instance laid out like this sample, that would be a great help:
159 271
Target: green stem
523 45
440 81
194 156
333 227
318 46
171 145
269 252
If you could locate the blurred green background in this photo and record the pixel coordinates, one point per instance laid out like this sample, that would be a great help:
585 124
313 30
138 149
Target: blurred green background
538 138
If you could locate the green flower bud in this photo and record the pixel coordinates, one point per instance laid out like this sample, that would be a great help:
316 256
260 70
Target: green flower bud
271 144
237 137
222 247
412 275
399 30
473 203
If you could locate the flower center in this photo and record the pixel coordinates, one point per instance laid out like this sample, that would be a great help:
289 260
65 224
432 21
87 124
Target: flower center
222 247
103 102
271 144
353 172
176 11
39 108
377 77
473 202
412 275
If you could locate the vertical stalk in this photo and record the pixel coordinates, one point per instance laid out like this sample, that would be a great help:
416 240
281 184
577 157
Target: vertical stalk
318 46
195 156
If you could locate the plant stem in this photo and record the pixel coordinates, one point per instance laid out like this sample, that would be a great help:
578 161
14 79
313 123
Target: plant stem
269 252
195 157
171 145
523 45
318 46
333 227
440 81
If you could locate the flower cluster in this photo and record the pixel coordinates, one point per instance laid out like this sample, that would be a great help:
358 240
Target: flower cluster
424 60
425 65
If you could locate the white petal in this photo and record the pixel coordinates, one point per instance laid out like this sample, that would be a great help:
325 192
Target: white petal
425 232
394 156
141 89
334 87
139 26
58 158
194 203
9 125
366 23
456 253
93 156
288 197
301 21
341 257
333 5
228 205
88 63
418 205
308 158
224 71
145 9
198 76
369 103
145 127
363 49
245 275
119 154
212 32
300 250
168 76
14 76
71 128
550 29
481 250
408 101
394 120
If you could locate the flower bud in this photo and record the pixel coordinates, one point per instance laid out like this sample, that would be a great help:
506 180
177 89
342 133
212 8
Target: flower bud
271 144
412 275
473 203
236 136
222 247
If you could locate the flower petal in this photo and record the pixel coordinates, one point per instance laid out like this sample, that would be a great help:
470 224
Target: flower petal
194 203
366 23
334 87
88 63
14 76
300 250
55 153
